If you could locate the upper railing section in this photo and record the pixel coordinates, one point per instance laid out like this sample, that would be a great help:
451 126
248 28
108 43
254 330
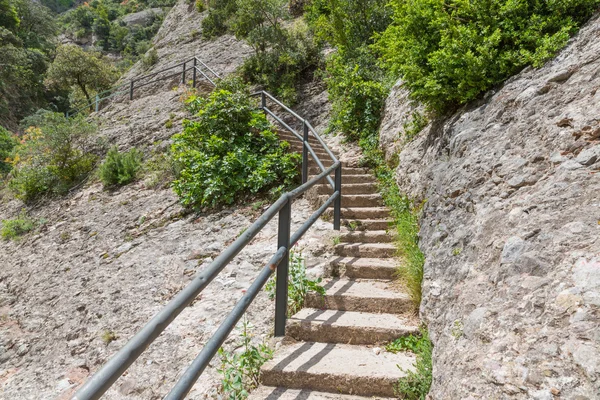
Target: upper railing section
106 376
193 65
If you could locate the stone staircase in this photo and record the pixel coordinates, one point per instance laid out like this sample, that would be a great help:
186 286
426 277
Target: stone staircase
332 348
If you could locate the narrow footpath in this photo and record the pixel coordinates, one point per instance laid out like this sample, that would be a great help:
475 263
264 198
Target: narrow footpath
333 348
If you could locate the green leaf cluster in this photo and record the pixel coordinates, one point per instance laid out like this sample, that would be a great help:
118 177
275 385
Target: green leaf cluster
299 284
7 143
53 157
450 51
230 150
120 168
415 385
17 227
240 370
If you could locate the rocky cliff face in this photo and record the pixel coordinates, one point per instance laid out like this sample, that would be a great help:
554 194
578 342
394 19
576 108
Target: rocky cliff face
510 230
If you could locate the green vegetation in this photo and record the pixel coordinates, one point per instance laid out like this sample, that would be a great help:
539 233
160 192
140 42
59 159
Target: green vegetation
240 370
284 53
52 157
7 143
104 20
27 30
230 150
17 227
299 284
449 52
108 336
76 69
416 384
120 168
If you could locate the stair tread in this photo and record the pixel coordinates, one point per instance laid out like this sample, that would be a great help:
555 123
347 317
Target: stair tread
365 288
369 245
279 393
355 319
336 367
366 261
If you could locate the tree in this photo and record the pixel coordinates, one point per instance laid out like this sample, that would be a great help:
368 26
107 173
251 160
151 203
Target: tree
75 67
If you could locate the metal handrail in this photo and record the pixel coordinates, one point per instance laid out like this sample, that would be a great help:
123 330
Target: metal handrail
132 84
104 378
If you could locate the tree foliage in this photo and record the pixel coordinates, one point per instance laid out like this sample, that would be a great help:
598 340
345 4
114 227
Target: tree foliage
449 51
75 67
26 33
230 150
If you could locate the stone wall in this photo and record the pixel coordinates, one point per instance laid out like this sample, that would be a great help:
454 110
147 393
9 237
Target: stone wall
510 231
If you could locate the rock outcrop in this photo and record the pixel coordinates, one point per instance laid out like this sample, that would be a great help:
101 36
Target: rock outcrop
510 231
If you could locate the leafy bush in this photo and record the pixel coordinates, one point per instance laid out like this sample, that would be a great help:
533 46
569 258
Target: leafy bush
240 370
52 157
231 150
299 285
415 385
14 228
357 91
150 58
120 168
448 52
219 13
7 143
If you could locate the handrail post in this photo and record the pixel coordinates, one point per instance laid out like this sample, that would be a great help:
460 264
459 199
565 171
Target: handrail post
263 100
194 73
305 153
337 206
97 102
183 74
281 290
131 89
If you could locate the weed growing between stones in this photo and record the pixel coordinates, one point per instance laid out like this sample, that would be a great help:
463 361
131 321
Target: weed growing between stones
299 284
108 336
415 385
240 370
17 227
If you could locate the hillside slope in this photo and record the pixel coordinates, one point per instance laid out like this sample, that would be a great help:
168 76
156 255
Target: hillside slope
104 262
510 231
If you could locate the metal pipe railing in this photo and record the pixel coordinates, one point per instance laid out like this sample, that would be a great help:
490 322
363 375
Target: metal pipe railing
104 378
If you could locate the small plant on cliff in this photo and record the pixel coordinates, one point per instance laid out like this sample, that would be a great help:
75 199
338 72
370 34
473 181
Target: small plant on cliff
230 150
17 227
52 157
415 385
240 370
7 143
299 284
120 168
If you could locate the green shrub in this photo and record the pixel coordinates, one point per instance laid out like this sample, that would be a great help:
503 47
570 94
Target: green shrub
231 150
150 58
448 52
299 284
219 13
120 168
200 6
7 143
17 227
357 91
415 385
240 370
53 157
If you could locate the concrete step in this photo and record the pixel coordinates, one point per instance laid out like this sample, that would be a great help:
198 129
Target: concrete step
367 224
349 327
366 237
348 179
361 295
352 188
314 170
289 137
364 268
336 368
275 393
372 250
357 200
363 212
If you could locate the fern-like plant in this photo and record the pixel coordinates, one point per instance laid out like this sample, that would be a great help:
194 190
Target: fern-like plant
120 168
